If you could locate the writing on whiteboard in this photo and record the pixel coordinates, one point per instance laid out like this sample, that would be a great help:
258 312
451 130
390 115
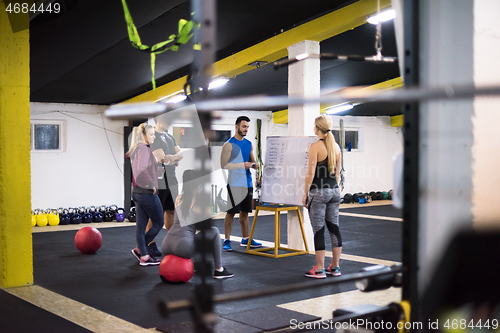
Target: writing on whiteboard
285 167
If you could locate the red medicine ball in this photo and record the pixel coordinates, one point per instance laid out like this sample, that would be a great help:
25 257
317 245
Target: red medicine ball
88 240
176 269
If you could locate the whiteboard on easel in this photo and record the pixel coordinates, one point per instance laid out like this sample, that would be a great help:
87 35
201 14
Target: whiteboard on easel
285 167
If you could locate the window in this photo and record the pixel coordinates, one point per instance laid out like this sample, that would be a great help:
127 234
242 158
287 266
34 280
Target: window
189 137
47 135
220 137
351 139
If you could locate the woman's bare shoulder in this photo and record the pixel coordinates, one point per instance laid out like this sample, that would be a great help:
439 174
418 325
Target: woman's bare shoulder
315 145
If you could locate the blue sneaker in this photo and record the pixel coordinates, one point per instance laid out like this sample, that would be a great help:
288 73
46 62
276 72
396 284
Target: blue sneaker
335 271
227 246
253 244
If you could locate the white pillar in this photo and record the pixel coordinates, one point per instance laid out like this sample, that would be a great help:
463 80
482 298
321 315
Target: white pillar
486 178
303 80
446 137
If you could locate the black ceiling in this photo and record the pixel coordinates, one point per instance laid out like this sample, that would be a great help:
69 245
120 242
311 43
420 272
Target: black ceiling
83 55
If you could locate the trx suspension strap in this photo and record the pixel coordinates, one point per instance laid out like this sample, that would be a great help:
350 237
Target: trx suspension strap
258 184
183 36
342 143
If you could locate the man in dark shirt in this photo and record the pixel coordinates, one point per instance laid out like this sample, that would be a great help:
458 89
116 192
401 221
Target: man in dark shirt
165 149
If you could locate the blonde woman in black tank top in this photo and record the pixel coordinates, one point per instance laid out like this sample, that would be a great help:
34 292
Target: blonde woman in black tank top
322 196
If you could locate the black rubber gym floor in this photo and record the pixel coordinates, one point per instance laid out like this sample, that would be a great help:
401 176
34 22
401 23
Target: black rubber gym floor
113 282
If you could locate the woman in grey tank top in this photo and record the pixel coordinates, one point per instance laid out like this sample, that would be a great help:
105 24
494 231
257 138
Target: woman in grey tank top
322 196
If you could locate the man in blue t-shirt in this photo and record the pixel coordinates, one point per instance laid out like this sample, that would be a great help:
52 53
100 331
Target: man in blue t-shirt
237 157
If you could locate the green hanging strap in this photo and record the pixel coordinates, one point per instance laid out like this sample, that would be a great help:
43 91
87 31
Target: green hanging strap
184 35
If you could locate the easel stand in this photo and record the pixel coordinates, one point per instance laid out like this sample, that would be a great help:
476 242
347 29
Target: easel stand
277 210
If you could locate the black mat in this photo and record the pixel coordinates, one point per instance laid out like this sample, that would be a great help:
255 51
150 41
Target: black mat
112 280
19 316
270 318
371 238
223 326
384 210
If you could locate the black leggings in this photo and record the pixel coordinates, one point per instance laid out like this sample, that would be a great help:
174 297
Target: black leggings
319 236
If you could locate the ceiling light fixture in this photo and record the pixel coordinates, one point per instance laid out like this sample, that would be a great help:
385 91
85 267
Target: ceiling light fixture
382 16
339 108
175 99
219 82
257 64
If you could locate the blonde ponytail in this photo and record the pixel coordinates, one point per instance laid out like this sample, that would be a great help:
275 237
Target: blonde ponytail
324 124
137 136
330 148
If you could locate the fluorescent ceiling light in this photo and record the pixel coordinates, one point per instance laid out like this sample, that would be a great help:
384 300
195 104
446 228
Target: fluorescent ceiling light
382 17
339 108
175 99
218 82
302 56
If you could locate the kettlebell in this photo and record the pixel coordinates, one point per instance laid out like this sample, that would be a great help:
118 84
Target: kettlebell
41 218
108 216
120 215
87 217
53 217
64 217
98 217
76 219
131 215
71 212
33 219
113 208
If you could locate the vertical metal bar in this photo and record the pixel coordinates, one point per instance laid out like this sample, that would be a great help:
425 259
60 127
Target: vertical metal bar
411 159
201 68
127 172
216 206
199 78
212 200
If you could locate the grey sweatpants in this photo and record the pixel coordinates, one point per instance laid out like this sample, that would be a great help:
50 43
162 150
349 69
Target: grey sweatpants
324 210
180 242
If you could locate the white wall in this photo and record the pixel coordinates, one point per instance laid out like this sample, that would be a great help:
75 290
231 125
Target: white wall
370 167
367 169
86 173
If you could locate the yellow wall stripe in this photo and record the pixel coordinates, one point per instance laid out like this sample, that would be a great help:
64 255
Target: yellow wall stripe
275 48
16 254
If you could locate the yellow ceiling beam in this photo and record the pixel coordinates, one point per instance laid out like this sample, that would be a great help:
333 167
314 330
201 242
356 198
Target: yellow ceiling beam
397 121
274 48
385 85
281 117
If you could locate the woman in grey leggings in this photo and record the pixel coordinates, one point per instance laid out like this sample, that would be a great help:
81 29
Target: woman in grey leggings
322 196
180 241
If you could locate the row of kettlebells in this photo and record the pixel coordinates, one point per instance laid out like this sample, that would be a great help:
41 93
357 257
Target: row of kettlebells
74 215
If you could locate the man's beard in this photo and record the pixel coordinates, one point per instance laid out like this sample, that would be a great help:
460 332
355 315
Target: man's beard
241 133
